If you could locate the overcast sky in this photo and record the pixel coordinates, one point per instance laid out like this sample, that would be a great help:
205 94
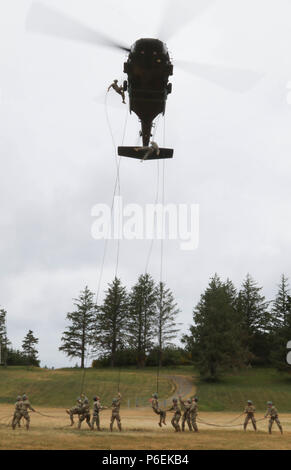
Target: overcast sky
232 157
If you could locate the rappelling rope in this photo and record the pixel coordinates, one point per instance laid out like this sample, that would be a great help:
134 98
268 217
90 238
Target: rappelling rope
117 189
156 201
162 247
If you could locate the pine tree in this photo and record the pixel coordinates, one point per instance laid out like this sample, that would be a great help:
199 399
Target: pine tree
4 342
280 309
79 335
253 307
167 312
215 336
112 320
143 317
281 325
29 350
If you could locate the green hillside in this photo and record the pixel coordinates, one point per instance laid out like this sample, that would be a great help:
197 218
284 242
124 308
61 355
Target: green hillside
62 387
258 384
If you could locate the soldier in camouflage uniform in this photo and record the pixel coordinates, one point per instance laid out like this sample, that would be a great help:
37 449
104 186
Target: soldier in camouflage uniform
153 148
25 406
186 415
75 410
193 412
177 415
85 414
17 413
115 412
118 89
157 410
250 415
273 413
96 410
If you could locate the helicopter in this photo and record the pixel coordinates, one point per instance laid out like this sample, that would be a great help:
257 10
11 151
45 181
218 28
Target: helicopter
148 66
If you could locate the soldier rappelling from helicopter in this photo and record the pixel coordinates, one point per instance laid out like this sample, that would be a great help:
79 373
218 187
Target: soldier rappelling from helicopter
118 89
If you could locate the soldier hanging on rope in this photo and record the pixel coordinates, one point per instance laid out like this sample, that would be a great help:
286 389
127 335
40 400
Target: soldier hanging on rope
75 410
85 414
158 410
118 89
154 148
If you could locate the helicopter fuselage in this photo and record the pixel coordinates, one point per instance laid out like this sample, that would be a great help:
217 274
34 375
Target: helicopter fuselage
148 68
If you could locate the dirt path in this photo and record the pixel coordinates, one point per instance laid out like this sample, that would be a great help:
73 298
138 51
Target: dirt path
182 385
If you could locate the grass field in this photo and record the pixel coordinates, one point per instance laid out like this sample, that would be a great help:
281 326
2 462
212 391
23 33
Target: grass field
140 432
52 391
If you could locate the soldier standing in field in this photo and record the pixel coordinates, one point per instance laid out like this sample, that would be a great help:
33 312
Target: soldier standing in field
115 412
193 412
85 414
75 410
273 413
186 415
17 413
157 410
177 415
25 406
97 407
250 415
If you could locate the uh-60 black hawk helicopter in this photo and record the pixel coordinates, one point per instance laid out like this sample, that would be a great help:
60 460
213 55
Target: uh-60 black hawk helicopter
148 66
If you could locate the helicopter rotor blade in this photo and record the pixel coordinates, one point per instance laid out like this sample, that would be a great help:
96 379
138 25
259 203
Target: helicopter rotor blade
49 21
234 79
178 13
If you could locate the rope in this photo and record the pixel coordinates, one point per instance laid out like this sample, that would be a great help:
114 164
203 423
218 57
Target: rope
162 252
117 187
225 425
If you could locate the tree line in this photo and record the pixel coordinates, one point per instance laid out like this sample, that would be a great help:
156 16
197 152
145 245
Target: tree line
129 327
237 328
9 356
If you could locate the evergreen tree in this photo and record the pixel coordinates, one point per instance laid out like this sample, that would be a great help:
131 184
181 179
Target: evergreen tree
112 320
215 337
280 309
281 325
253 307
167 312
29 350
255 321
3 337
143 317
79 335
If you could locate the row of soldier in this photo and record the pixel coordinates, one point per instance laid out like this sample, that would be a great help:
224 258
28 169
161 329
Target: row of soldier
185 409
82 410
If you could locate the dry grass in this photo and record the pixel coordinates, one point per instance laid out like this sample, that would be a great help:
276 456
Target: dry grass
141 431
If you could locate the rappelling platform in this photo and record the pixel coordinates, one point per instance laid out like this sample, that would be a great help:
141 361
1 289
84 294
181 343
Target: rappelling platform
139 153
